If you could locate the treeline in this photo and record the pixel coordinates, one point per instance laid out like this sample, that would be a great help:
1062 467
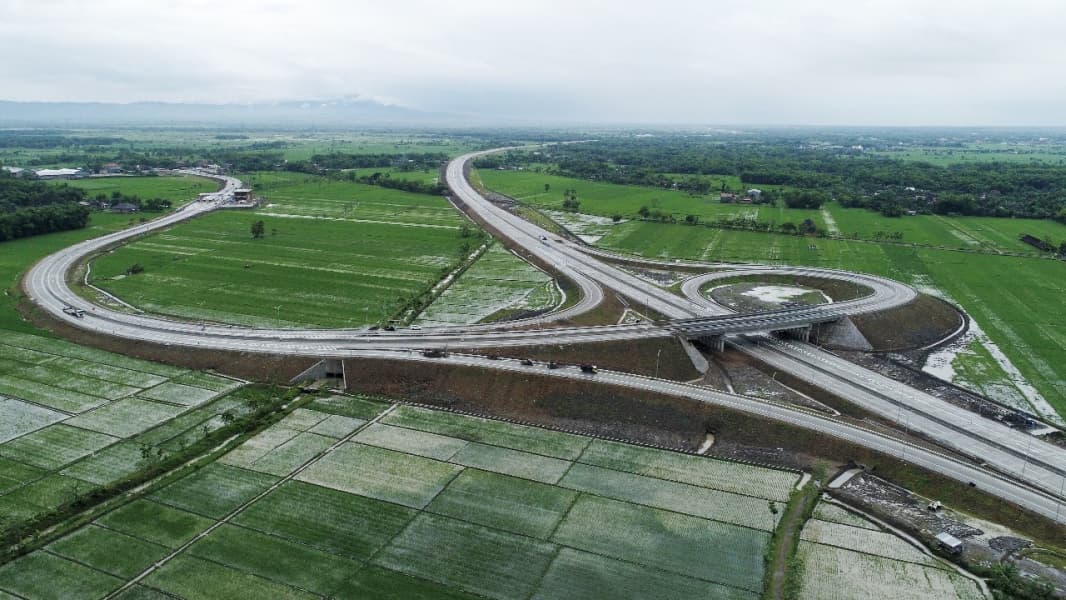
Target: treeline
407 185
378 178
50 140
32 208
26 222
888 185
415 161
16 193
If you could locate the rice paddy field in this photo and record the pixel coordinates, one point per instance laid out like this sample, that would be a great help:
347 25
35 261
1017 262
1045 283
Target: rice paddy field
350 498
986 234
1014 299
608 199
498 284
843 556
74 418
334 254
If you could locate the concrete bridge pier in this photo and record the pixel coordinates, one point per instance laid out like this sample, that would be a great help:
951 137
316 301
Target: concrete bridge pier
328 368
802 334
715 342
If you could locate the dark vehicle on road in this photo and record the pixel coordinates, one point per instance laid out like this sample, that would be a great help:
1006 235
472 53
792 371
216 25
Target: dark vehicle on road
434 353
587 368
526 362
553 365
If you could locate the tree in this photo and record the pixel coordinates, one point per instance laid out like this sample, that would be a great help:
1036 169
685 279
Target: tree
464 230
644 212
547 186
258 228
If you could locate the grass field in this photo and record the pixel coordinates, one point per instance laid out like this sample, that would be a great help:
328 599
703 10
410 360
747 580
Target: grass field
395 512
1014 299
848 557
608 199
177 188
334 255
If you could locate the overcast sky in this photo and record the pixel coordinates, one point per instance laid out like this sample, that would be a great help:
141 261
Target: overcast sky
901 62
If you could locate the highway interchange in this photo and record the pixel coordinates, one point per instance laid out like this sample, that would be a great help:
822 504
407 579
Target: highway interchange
1005 462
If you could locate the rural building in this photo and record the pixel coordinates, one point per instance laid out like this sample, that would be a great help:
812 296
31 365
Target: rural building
112 169
754 194
242 195
124 207
18 171
949 542
60 174
727 198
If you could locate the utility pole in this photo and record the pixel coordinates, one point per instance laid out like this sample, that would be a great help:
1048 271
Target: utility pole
657 354
277 316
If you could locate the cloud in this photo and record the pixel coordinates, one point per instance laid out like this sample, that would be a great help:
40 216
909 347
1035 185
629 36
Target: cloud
759 61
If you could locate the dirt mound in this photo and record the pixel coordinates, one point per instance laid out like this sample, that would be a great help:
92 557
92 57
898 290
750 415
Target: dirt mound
631 356
922 322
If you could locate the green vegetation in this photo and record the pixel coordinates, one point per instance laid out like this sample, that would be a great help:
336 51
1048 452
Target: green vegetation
178 189
330 254
609 199
812 167
384 521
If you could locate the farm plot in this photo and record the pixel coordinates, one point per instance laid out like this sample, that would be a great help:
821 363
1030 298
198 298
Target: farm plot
22 417
382 474
299 195
493 563
177 188
856 560
53 447
877 543
74 380
678 543
334 254
487 431
609 199
499 284
46 469
669 495
404 512
501 502
759 482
